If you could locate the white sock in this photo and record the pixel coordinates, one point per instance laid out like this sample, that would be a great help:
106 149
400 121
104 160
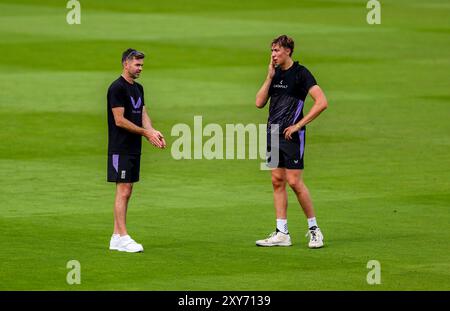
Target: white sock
115 236
312 222
282 226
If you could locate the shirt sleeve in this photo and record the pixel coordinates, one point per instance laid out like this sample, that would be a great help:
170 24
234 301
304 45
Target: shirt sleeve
307 79
116 97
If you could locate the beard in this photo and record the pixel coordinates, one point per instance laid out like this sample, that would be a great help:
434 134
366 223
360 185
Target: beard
133 75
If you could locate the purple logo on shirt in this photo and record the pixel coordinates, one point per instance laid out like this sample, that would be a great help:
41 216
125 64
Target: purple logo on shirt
137 104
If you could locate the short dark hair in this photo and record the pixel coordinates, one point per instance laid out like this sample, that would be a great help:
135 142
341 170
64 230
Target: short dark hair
131 54
284 41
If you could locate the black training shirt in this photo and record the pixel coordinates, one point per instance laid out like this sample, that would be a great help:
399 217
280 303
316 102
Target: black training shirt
131 97
287 92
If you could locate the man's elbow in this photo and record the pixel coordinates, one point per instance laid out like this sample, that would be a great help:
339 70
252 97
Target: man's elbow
323 104
118 122
260 103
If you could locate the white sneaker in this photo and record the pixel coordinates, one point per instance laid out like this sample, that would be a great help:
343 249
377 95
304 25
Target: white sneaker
276 239
127 244
114 243
315 238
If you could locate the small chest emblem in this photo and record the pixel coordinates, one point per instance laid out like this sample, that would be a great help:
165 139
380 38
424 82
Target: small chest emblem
136 105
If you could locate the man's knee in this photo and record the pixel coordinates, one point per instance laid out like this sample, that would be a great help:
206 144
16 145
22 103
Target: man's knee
295 183
125 190
278 182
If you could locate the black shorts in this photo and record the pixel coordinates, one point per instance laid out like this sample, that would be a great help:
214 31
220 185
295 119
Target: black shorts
124 168
289 153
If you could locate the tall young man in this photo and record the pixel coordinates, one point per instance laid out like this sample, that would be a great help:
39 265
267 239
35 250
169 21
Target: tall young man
127 122
287 84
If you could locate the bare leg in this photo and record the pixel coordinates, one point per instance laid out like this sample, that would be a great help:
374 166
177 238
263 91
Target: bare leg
279 192
123 194
295 181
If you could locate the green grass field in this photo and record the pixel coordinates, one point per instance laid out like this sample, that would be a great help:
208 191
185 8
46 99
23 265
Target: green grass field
377 161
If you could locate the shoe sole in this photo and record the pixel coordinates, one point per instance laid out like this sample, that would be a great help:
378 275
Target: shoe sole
123 250
270 245
312 247
128 251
